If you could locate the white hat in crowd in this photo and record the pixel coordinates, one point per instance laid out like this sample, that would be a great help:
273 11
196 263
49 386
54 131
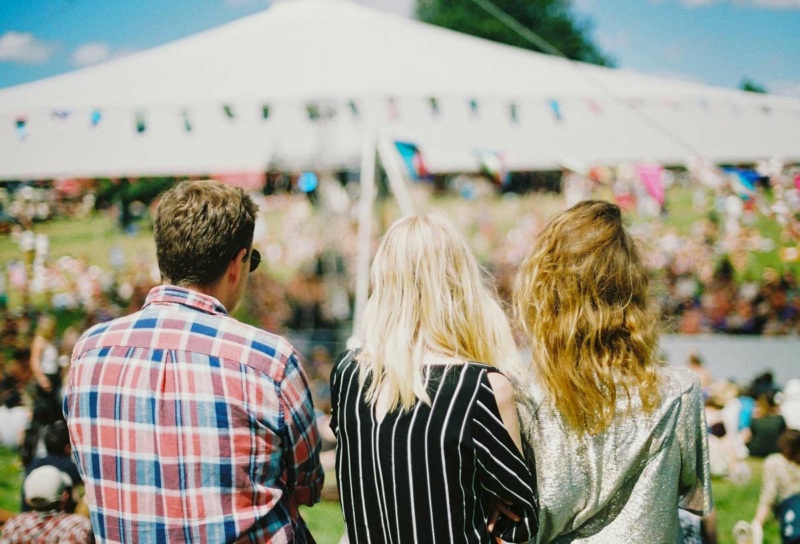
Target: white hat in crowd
45 486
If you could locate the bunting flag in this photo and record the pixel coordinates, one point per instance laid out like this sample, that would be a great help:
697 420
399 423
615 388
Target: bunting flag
651 177
353 108
556 108
141 122
265 111
228 109
187 122
412 157
96 117
492 163
21 124
312 110
473 107
392 109
744 181
434 106
307 182
514 114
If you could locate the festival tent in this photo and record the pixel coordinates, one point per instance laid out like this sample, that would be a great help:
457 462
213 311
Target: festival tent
304 83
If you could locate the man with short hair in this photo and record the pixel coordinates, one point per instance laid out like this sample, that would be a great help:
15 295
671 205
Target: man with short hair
59 455
188 425
47 492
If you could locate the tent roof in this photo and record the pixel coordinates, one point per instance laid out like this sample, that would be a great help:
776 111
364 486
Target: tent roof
331 52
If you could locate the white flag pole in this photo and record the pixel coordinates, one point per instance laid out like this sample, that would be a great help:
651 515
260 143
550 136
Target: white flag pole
365 207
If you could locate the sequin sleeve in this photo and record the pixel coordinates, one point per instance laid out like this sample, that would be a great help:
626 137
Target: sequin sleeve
695 476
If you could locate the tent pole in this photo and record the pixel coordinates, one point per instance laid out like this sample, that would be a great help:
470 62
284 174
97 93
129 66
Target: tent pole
397 183
365 207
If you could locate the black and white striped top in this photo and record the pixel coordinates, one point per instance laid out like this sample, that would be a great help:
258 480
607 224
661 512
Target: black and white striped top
427 475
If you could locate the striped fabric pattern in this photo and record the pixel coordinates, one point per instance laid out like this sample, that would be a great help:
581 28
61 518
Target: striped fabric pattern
189 426
427 475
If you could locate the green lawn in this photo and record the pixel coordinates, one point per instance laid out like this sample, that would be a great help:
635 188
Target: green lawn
325 519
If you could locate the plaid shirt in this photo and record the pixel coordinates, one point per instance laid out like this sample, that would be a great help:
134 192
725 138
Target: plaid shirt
47 528
189 426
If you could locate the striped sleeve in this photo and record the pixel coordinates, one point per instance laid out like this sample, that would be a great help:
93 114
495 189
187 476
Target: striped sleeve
502 470
304 471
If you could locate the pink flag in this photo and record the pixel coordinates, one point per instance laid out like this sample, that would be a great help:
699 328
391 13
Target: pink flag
650 174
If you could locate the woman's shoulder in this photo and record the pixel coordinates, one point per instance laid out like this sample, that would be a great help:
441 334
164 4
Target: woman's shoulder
345 362
678 381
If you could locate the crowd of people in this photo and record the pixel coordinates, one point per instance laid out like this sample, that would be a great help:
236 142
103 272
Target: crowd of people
703 277
695 279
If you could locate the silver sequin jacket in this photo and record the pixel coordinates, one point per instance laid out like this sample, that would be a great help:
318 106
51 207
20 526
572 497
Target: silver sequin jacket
626 484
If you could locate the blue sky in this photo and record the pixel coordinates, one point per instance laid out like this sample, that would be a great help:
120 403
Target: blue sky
717 42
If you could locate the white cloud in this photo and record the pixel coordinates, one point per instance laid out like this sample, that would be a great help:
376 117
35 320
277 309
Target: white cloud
96 52
24 48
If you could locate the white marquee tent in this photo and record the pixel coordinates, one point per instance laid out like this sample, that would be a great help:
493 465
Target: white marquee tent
299 86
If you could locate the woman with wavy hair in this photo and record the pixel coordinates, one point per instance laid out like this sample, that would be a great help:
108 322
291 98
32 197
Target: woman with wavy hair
619 438
428 442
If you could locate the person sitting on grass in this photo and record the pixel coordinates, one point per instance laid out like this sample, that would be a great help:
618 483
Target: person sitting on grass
780 493
47 492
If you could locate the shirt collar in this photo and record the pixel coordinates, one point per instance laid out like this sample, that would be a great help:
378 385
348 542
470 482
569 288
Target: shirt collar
172 294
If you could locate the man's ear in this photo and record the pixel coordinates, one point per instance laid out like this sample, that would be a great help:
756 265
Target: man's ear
236 266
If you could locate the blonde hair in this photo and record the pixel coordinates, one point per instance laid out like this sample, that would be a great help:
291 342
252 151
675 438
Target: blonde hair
581 296
46 326
428 296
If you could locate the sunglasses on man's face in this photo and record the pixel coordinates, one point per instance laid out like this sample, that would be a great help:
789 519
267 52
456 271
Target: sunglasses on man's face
255 259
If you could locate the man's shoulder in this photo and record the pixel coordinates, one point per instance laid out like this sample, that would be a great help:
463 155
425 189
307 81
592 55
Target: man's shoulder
265 346
214 335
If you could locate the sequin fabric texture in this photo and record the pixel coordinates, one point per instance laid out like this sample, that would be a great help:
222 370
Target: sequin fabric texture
627 483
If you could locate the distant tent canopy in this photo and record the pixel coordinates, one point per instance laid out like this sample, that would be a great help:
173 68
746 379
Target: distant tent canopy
257 95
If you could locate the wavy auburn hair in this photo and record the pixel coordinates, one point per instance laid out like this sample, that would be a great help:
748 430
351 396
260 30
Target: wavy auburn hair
428 295
581 296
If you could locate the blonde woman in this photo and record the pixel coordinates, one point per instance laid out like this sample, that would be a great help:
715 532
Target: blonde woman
428 436
619 439
46 372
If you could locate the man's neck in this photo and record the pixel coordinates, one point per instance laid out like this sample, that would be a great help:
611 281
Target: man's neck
214 290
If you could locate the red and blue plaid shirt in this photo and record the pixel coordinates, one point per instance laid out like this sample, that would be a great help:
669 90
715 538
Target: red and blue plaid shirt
47 528
189 426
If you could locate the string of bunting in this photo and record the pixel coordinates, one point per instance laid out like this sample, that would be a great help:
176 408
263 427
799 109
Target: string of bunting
317 111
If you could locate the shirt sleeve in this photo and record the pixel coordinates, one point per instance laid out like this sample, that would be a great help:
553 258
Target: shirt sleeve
502 471
305 475
695 477
342 360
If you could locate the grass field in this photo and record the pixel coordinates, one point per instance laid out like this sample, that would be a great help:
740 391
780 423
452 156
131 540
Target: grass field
325 519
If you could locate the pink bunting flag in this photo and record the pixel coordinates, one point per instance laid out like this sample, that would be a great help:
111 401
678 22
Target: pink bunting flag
650 175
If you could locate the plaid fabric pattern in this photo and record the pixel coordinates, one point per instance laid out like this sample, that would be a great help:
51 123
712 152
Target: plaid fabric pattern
189 426
49 528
